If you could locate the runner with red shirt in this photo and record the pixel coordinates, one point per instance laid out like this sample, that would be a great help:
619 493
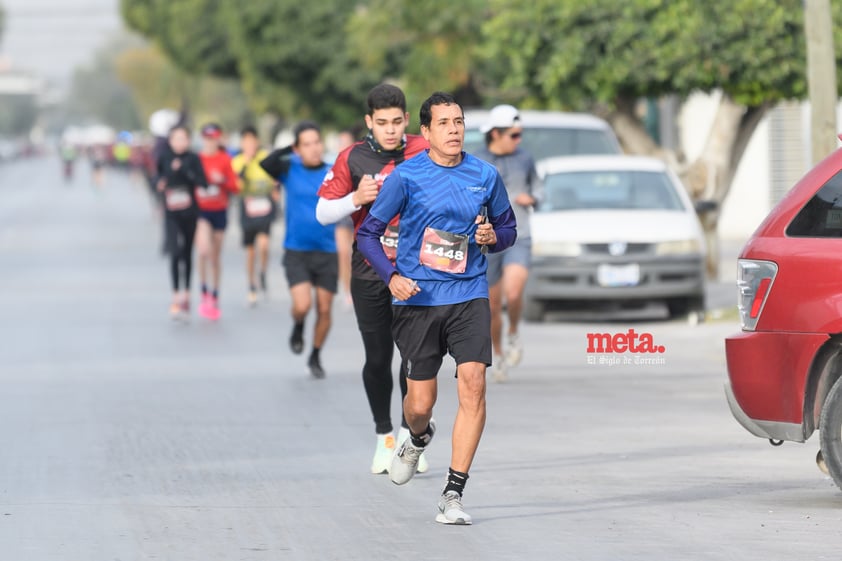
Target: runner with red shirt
213 217
349 189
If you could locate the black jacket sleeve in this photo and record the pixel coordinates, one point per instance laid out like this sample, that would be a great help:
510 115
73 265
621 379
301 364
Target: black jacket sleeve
277 163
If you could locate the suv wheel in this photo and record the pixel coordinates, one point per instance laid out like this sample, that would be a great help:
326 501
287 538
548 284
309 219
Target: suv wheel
830 432
533 310
691 308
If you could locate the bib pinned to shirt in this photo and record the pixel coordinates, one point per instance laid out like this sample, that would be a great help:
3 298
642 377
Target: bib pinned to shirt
444 251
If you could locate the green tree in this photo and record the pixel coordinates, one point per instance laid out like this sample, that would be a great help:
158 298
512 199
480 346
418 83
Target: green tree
208 98
425 46
603 56
291 58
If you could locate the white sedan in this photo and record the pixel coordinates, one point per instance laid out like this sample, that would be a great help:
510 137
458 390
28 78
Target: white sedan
612 232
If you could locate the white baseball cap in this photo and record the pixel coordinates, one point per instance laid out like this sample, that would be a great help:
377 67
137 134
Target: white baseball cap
501 117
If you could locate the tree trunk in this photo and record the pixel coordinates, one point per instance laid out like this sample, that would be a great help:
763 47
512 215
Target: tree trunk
709 177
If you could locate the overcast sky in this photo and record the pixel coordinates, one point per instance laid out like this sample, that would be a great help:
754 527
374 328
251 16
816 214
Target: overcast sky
52 37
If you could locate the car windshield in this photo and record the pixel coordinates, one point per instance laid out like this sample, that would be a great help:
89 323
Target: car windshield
643 190
543 143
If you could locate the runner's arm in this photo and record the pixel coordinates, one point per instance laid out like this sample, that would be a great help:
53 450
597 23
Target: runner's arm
232 185
336 194
277 163
194 170
505 228
368 242
331 211
536 186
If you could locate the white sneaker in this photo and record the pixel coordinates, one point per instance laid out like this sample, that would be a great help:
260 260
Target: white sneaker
499 369
405 461
514 350
383 453
423 465
451 511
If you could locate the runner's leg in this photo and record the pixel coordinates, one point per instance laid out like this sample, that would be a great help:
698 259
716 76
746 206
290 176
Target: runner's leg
204 231
324 302
188 232
217 239
373 309
470 416
263 250
514 282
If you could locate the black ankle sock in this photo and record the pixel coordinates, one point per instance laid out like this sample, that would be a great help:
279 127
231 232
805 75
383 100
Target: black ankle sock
315 354
204 289
420 441
455 481
215 293
298 329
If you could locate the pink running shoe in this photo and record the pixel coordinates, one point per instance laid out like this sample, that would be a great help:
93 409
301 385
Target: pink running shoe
213 312
206 306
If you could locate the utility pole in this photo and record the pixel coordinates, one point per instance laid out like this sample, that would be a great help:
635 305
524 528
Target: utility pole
821 77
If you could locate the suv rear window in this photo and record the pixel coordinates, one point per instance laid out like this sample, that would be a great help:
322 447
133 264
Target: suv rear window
545 142
821 217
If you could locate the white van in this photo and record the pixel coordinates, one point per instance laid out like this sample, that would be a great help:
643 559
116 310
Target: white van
550 133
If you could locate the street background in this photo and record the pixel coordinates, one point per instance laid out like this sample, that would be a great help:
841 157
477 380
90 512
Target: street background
126 436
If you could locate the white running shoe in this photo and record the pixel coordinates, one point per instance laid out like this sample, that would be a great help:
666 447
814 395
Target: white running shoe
383 453
499 369
423 465
451 511
405 461
514 350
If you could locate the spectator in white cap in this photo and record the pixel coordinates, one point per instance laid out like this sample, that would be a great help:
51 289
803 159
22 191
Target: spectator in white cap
508 270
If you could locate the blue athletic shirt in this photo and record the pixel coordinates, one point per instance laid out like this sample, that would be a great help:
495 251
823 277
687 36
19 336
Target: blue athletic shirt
303 231
426 194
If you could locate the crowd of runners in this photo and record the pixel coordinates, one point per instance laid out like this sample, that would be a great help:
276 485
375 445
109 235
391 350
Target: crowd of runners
427 242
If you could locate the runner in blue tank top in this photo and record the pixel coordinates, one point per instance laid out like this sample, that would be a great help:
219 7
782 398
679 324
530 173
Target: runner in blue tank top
453 208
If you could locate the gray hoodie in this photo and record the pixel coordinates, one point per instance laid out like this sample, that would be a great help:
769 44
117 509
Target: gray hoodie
518 172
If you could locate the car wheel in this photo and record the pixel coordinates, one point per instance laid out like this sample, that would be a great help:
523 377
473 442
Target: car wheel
830 432
533 310
691 308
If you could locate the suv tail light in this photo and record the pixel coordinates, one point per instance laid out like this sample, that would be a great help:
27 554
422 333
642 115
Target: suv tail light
754 281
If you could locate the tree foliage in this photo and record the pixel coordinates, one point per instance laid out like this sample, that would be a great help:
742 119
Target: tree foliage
571 54
291 57
427 46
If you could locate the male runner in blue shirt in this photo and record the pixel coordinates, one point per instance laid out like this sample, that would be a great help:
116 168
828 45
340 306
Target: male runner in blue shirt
453 208
309 247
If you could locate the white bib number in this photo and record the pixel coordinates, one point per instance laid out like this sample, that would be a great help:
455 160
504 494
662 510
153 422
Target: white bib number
177 199
258 206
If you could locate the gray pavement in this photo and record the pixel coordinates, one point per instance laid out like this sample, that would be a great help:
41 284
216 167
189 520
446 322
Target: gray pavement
127 437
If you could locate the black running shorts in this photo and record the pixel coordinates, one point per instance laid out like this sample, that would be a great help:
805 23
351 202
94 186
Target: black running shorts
425 334
252 229
319 268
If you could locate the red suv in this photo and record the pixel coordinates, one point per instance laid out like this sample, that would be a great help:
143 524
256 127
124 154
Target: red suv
785 368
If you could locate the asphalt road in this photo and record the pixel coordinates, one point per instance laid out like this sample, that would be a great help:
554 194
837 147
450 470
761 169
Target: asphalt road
124 436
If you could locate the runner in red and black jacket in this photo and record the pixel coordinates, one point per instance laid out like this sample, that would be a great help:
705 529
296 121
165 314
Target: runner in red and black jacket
349 189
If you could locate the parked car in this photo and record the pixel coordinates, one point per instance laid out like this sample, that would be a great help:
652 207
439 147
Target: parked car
785 367
550 133
614 231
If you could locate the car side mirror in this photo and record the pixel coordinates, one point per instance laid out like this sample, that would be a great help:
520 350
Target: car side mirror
705 206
